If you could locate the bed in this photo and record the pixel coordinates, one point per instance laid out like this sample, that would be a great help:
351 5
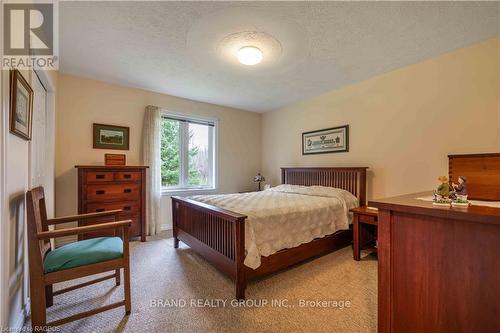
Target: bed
226 239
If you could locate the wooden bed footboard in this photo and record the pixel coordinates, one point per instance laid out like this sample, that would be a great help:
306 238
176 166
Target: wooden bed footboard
215 233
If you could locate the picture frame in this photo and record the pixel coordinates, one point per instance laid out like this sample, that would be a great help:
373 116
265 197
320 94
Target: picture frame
324 141
110 137
21 106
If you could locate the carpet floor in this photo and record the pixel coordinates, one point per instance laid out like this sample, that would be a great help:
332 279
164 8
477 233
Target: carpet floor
176 290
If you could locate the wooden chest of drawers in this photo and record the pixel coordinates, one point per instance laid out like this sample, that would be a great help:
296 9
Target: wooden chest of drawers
102 188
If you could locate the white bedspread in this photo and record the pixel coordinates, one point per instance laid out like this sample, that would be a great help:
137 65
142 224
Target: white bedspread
286 216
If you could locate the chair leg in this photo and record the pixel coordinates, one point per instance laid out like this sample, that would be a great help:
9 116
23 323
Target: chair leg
126 287
38 309
117 277
49 297
126 270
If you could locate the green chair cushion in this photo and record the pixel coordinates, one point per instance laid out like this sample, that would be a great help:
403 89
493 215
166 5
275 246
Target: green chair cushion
89 251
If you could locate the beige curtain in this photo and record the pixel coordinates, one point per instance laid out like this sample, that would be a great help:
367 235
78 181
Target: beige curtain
151 158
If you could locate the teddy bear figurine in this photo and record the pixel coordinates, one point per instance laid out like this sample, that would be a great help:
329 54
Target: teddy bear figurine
444 188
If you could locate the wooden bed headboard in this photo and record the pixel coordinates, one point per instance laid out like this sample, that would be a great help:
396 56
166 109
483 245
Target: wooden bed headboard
349 179
482 172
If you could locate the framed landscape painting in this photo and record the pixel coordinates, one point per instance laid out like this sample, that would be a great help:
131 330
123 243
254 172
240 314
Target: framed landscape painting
111 137
329 140
21 105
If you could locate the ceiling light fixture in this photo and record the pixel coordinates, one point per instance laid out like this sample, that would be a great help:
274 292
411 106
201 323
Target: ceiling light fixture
249 55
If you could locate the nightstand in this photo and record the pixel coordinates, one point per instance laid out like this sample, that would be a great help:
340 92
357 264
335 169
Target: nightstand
364 222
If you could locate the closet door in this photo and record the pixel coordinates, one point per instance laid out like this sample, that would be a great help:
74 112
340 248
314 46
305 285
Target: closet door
41 152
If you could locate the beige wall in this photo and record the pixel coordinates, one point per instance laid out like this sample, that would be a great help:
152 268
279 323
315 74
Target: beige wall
403 124
82 102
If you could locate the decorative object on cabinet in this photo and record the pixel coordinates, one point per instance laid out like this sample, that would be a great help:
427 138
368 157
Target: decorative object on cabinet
111 137
72 261
102 188
442 193
444 188
461 187
459 193
329 140
21 105
115 159
259 179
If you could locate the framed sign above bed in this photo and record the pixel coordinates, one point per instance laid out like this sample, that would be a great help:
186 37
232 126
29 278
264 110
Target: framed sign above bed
329 140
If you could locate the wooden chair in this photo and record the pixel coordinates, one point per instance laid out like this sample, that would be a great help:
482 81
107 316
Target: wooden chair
76 260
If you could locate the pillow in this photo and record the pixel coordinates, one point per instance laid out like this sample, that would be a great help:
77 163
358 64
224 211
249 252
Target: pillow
319 191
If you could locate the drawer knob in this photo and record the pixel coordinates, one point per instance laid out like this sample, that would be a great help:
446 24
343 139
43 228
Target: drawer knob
99 192
126 208
127 190
127 176
99 176
99 210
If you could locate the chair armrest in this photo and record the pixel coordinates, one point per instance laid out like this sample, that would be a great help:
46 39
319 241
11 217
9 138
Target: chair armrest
84 229
66 219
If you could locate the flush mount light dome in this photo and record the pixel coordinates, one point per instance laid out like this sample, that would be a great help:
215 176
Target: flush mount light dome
249 55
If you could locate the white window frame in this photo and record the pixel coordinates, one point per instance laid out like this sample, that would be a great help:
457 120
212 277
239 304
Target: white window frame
184 143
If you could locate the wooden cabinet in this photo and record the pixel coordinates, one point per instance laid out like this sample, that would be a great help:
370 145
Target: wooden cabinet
103 188
438 268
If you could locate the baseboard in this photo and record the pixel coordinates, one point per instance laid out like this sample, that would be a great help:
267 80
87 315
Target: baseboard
21 318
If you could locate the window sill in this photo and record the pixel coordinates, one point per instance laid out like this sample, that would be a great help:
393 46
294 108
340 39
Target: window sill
187 191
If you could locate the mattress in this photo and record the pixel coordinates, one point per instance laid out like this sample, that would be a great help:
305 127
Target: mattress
286 216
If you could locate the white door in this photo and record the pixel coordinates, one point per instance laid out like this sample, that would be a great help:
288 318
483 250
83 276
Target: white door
41 153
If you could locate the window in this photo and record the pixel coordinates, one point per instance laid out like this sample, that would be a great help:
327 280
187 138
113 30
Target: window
187 153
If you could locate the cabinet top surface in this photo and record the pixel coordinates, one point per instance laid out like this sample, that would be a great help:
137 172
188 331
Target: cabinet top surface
408 203
111 166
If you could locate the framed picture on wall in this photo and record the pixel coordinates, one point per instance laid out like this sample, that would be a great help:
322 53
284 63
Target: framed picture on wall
111 137
21 105
329 140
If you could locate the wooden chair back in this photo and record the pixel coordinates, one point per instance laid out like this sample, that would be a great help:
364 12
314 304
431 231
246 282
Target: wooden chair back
37 222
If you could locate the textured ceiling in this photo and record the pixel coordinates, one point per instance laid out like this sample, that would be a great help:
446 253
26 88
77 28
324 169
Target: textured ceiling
184 48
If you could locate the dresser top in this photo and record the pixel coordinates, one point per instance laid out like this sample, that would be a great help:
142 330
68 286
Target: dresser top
409 204
111 166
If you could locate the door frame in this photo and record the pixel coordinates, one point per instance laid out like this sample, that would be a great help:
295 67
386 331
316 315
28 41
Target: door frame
3 200
50 88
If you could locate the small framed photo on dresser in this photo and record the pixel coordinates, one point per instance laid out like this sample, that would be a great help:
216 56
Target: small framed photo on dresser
328 140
